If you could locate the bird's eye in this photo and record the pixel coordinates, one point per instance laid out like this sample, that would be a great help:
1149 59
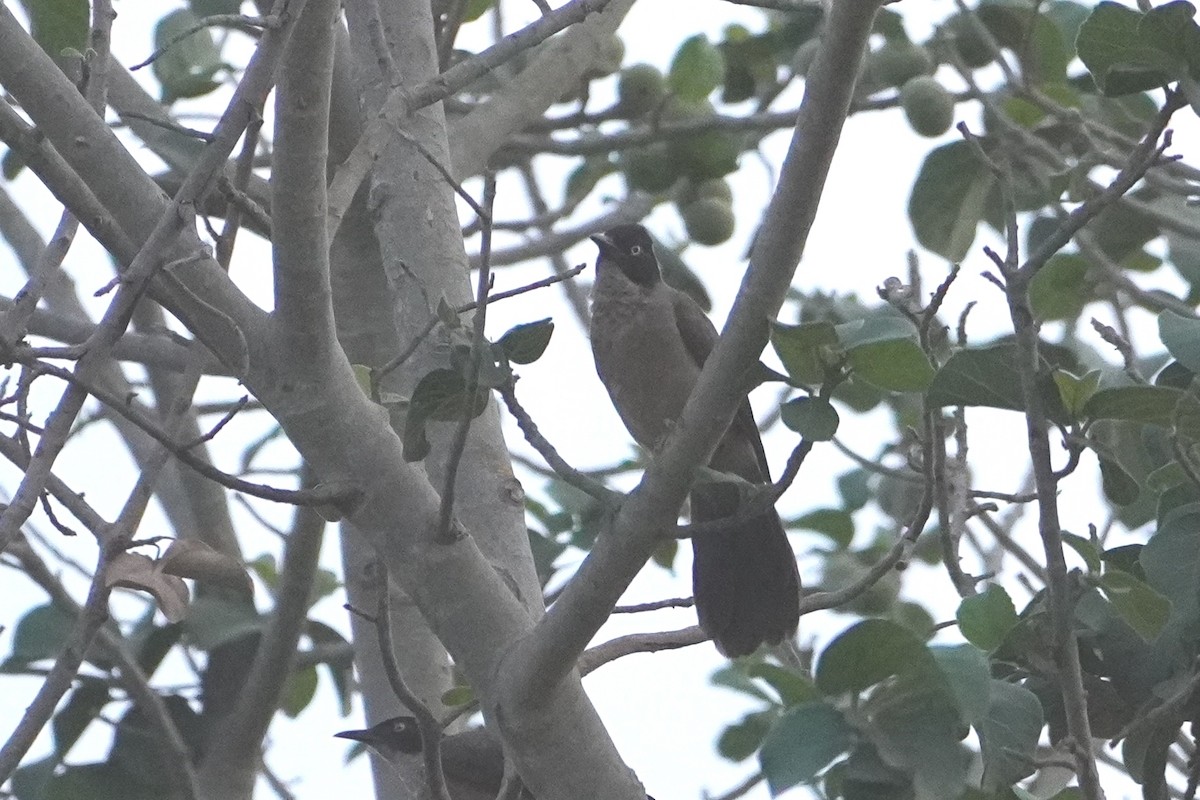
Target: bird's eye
636 250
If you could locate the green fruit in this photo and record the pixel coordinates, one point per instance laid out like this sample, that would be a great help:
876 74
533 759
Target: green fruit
966 31
844 569
894 64
640 89
708 220
711 154
697 68
584 178
649 168
928 106
689 191
612 51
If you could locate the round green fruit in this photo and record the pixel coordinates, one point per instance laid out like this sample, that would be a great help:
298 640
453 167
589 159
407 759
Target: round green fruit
928 106
896 63
969 41
710 154
640 89
649 168
612 52
708 220
690 191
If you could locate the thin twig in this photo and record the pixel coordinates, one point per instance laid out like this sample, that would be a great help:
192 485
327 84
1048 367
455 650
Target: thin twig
445 532
596 657
427 723
562 469
674 602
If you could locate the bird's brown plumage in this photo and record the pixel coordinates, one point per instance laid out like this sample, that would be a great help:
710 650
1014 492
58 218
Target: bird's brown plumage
650 343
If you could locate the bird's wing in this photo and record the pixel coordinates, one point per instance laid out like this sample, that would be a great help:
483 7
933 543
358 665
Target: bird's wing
700 337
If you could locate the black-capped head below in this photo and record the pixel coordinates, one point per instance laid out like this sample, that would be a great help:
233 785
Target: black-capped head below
630 249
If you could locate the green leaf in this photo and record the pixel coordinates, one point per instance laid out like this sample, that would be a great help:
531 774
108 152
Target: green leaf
987 618
871 330
460 695
1152 404
988 376
969 677
213 621
1043 51
866 776
697 69
1119 486
897 365
440 395
733 676
58 25
207 8
742 739
30 779
806 740
811 417
1144 609
138 747
87 700
833 522
341 669
41 633
801 348
298 691
1085 548
524 344
1008 735
1127 51
1059 289
917 727
854 487
187 67
97 782
866 654
584 178
1075 392
476 9
792 687
1181 336
948 200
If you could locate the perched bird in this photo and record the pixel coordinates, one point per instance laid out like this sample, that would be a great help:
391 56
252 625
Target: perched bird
650 342
472 761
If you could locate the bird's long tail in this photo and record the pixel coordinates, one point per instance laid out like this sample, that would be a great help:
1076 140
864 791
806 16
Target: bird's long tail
744 574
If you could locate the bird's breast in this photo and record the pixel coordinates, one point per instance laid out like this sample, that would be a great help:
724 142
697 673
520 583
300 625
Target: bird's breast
641 360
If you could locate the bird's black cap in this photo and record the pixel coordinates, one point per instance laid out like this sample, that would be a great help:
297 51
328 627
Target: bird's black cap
629 248
389 738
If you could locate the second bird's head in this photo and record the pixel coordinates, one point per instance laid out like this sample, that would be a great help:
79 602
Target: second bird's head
630 249
391 738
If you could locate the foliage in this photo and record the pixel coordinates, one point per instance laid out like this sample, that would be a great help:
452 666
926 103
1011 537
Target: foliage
985 701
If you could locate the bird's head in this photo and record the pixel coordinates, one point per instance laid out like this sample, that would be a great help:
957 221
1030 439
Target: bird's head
630 249
390 738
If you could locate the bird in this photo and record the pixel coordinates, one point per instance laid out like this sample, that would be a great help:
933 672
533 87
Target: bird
472 761
649 342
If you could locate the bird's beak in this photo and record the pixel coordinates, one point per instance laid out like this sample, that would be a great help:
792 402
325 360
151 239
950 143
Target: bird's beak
358 736
605 244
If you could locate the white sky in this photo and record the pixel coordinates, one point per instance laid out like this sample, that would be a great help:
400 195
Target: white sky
661 710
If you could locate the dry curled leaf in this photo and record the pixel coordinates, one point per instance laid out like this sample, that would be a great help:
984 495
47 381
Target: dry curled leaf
192 558
135 571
